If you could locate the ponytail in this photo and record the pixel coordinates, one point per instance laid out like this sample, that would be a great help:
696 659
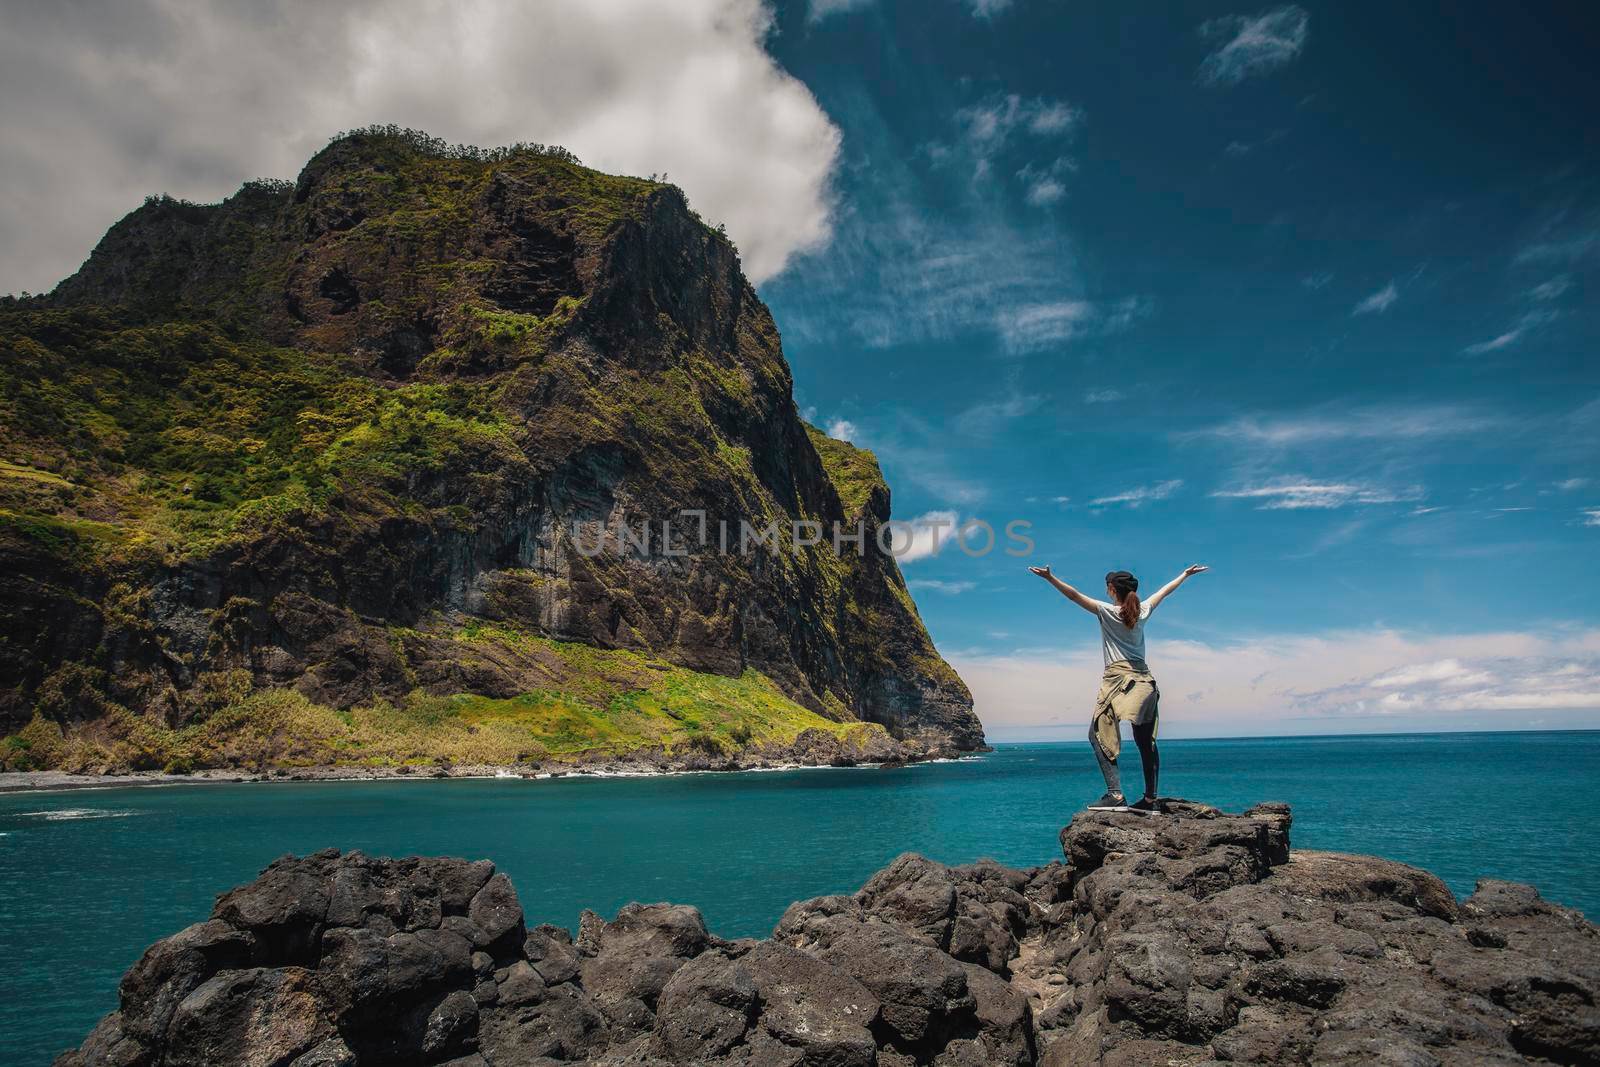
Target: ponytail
1126 588
1130 609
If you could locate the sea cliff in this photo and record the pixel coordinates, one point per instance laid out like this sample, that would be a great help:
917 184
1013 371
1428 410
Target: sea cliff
318 477
1190 937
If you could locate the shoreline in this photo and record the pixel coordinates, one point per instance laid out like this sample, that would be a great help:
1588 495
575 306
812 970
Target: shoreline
64 781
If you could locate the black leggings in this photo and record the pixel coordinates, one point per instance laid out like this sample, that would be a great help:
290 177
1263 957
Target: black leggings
1149 759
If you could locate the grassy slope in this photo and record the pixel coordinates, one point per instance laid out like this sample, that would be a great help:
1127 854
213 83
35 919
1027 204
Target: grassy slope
616 703
126 443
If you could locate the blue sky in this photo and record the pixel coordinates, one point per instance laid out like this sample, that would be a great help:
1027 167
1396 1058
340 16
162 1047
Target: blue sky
1302 292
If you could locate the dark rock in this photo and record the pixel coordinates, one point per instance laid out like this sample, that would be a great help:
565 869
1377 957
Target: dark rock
498 915
634 956
1186 938
283 910
258 1015
171 968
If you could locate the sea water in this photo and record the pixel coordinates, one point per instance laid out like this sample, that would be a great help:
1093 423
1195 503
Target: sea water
89 878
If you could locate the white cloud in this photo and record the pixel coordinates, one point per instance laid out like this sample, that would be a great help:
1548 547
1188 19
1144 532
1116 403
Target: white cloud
1102 396
1570 484
927 536
1292 494
1378 302
1591 516
1253 46
1314 282
1140 496
1447 672
1045 185
106 102
844 430
937 586
1340 681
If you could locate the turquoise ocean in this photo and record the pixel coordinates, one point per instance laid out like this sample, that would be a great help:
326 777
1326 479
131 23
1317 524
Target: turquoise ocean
89 878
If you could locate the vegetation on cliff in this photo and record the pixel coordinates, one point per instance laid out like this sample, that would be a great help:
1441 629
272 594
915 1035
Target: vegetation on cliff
275 457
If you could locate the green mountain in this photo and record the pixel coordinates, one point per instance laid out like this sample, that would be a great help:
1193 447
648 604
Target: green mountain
315 476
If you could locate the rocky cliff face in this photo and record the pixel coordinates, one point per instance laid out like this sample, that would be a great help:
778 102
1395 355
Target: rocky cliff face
341 437
1187 938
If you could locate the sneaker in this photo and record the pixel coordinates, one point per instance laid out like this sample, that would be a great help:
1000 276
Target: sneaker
1110 802
1146 805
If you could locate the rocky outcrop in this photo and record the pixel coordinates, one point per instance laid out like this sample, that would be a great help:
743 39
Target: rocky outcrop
1185 938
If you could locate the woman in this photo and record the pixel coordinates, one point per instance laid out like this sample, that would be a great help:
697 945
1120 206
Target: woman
1127 691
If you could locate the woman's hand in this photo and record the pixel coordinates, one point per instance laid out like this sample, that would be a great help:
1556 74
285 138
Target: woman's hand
1043 572
1195 569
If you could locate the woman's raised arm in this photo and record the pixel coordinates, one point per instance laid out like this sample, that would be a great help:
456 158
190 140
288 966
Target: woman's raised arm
1161 594
1066 590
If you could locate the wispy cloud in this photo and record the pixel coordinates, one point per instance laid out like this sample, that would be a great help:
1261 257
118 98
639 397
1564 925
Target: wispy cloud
1553 289
1569 485
1317 281
985 9
1253 46
989 125
1045 185
1566 248
1378 302
1591 516
1135 498
1032 326
1026 327
1103 396
1374 423
1494 343
1342 534
898 272
1530 320
821 9
937 586
986 418
1294 494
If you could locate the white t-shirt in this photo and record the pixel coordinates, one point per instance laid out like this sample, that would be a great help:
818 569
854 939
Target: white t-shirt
1117 641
